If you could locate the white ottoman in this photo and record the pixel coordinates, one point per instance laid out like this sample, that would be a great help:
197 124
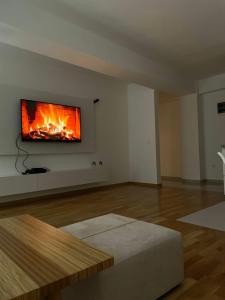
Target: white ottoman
148 259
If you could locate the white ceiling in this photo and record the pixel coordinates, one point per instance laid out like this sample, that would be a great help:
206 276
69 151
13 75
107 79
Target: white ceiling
188 34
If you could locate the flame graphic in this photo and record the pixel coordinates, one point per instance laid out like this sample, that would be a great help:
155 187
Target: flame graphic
46 121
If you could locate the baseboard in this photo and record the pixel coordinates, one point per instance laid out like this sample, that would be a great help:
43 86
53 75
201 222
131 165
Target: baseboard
146 184
192 181
171 178
213 181
203 181
24 199
60 193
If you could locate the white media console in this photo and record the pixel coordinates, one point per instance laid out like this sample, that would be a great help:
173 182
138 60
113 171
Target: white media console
20 184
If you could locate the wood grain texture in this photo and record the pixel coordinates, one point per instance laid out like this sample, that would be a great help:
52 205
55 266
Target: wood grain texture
204 249
38 260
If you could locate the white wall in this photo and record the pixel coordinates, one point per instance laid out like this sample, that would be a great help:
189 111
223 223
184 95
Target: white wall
58 38
143 135
212 91
37 75
10 119
201 132
170 136
213 133
211 84
191 167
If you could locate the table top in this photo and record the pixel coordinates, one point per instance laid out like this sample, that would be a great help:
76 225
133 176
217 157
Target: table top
37 259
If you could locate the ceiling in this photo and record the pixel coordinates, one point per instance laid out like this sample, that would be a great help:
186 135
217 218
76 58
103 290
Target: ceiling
188 34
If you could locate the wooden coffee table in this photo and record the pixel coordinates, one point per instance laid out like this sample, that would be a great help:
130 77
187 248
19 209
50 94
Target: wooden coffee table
38 260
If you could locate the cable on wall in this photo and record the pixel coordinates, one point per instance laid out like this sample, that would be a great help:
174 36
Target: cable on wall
24 154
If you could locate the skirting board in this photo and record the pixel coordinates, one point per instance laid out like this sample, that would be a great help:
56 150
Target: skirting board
146 184
180 179
171 178
23 199
191 181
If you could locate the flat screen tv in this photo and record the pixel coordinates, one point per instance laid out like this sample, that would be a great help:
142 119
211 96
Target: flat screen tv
48 122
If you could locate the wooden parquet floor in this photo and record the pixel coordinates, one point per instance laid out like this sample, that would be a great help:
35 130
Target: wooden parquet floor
204 249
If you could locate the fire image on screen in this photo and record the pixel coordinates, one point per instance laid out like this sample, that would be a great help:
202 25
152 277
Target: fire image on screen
43 121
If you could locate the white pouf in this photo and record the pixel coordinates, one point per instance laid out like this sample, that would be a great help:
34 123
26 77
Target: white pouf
148 259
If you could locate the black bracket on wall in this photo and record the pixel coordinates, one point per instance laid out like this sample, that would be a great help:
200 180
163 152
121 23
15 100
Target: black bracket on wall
221 107
96 101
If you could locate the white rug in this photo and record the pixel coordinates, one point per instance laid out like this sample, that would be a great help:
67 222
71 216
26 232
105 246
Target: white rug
212 217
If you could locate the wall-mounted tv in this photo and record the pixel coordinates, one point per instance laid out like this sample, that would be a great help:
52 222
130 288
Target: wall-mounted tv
48 122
